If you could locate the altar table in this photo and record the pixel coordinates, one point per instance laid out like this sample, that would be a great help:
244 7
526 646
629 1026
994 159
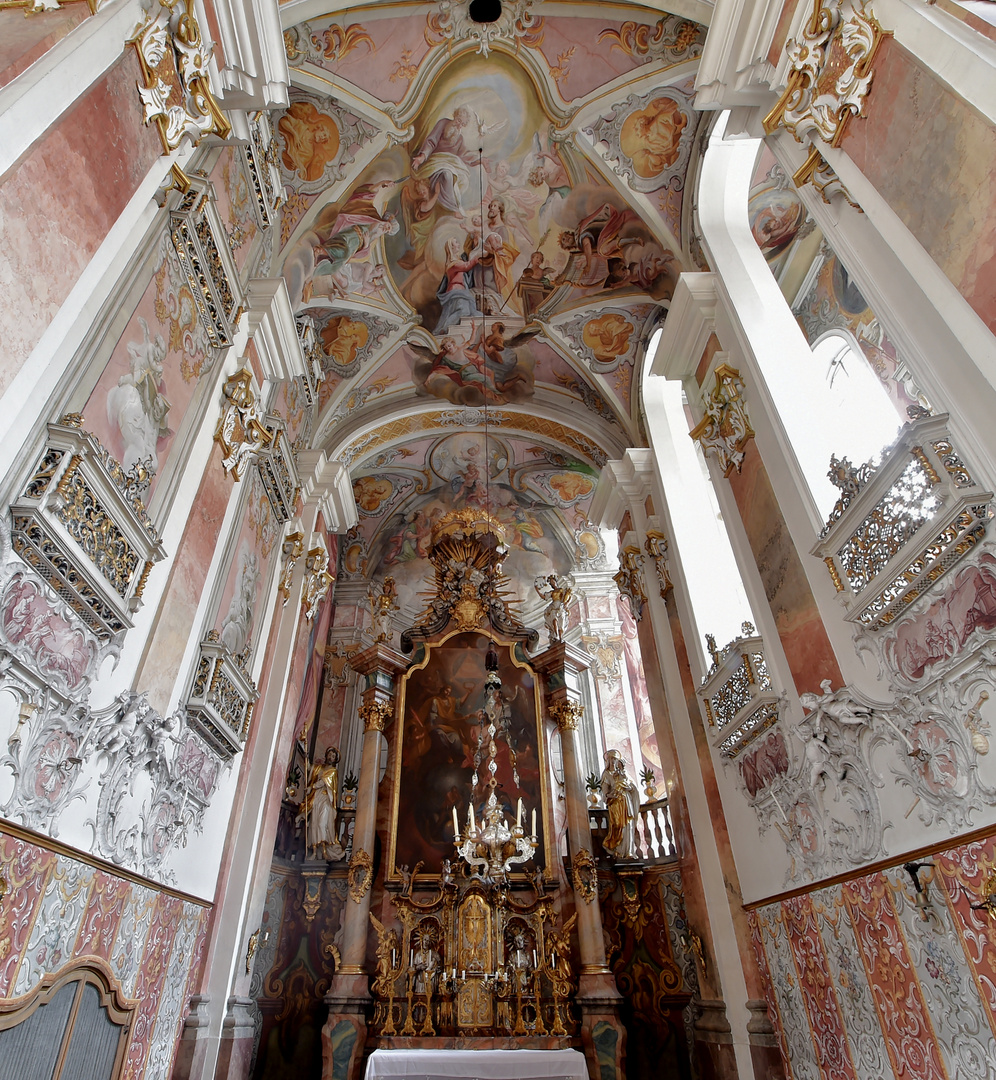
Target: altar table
477 1065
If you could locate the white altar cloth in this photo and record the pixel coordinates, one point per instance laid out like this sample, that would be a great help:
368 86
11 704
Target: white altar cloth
477 1065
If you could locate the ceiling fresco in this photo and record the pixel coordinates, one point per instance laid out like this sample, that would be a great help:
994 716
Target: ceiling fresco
484 216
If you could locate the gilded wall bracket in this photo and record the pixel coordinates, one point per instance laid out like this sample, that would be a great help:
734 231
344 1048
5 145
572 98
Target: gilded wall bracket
830 73
177 93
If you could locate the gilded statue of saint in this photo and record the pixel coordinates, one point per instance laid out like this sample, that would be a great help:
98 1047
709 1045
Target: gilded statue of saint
319 807
623 802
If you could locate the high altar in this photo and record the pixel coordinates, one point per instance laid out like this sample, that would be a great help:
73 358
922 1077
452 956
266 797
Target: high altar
473 944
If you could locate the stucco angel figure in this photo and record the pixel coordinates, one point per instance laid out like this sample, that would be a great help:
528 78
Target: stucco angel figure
381 606
320 807
836 708
558 591
623 802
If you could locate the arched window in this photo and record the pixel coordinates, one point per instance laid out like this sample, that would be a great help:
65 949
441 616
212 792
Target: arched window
73 1026
835 404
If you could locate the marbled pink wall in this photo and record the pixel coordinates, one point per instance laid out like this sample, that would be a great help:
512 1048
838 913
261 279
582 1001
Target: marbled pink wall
58 203
163 334
258 536
58 909
23 40
803 635
188 573
862 980
932 157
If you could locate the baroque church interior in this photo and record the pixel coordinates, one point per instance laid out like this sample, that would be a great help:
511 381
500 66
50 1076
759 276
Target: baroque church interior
496 545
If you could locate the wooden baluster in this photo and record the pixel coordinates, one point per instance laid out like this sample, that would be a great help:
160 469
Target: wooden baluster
659 842
671 846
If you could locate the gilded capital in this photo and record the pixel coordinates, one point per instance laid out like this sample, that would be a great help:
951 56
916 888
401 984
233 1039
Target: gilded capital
375 715
566 714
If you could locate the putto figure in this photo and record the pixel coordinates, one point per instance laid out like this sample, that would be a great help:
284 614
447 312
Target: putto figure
381 606
558 591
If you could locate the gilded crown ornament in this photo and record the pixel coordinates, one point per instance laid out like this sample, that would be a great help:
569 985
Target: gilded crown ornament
470 589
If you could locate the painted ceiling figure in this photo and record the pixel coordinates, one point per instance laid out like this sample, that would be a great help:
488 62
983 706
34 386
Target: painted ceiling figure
446 162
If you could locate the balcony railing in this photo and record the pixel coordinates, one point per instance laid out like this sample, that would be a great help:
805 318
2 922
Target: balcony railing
654 835
901 526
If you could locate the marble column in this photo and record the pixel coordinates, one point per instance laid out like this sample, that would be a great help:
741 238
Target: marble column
603 1035
344 1033
731 1035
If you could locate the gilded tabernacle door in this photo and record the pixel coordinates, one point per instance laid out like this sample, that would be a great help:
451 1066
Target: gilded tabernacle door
442 708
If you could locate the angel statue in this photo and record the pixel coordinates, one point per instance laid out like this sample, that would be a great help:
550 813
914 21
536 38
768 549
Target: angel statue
558 951
319 807
558 591
387 956
381 607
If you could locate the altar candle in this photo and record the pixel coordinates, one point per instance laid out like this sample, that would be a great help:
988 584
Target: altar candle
456 825
534 823
534 958
473 823
518 815
463 974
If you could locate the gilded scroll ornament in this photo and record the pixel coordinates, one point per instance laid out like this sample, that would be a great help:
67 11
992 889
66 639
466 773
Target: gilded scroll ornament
566 714
318 580
375 714
241 432
359 875
584 875
293 549
816 170
725 430
177 92
831 72
629 579
656 545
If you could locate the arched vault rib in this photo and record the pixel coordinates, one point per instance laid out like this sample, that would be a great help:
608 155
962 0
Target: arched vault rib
590 440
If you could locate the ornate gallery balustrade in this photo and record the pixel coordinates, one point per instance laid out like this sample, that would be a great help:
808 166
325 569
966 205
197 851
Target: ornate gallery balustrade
654 836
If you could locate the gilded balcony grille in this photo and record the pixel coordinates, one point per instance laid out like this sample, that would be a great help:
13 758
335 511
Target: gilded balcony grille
900 527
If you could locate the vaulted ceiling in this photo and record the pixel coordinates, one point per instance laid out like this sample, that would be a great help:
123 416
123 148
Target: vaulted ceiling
484 214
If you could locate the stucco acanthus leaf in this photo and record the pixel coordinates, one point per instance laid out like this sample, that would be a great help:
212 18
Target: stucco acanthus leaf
816 783
156 781
241 431
452 23
724 429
